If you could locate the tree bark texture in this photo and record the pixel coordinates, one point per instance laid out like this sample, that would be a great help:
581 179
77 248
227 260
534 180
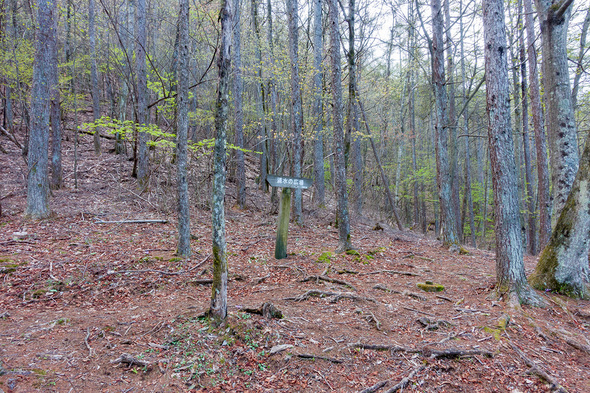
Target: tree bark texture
510 274
543 189
296 104
56 131
184 231
37 158
580 67
142 94
218 310
339 162
563 264
94 73
318 151
238 106
443 178
561 125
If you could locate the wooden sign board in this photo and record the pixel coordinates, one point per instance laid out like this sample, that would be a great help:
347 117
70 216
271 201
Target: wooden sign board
288 182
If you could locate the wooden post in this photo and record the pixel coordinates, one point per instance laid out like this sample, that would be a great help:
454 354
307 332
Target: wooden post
283 225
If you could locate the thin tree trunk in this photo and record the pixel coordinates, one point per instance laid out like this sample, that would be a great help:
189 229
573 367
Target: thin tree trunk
318 151
339 161
448 220
56 168
184 230
510 274
94 73
539 126
142 95
38 182
296 107
580 67
218 310
563 145
274 145
238 108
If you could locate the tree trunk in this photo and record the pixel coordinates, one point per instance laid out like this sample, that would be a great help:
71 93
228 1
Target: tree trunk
296 107
238 107
510 274
94 74
56 168
580 67
318 113
142 95
218 310
339 162
274 145
448 220
539 125
563 145
38 182
563 264
184 231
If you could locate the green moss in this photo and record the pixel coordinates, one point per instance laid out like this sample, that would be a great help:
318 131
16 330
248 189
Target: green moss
430 287
463 251
353 252
376 251
325 257
175 259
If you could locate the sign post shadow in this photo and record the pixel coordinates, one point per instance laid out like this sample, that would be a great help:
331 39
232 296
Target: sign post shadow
287 183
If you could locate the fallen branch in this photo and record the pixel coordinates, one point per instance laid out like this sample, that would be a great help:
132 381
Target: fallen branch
334 295
146 221
404 382
129 360
538 371
163 272
328 279
201 281
433 325
267 310
308 356
577 345
391 272
451 353
90 350
374 388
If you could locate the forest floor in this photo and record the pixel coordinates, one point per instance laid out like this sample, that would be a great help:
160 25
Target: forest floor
92 305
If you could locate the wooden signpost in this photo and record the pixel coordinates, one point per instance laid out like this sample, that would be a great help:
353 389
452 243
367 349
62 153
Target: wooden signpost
287 183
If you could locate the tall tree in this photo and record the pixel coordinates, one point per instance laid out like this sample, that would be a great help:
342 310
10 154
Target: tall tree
554 16
37 158
579 66
318 152
259 88
510 274
184 233
56 131
539 126
94 72
218 309
296 103
238 107
443 178
142 94
339 161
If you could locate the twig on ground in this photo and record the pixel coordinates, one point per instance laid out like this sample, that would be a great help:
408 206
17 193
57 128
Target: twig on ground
390 272
404 382
538 371
260 280
450 353
132 222
445 298
90 350
163 272
405 293
309 356
374 388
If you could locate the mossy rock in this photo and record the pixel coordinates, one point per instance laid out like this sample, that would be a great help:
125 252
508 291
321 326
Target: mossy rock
463 251
429 286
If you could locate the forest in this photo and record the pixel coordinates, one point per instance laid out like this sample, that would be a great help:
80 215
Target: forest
444 239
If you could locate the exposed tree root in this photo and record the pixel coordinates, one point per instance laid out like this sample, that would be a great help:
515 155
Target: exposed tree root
335 296
433 324
376 387
404 382
405 293
267 310
129 360
451 353
328 279
391 272
535 369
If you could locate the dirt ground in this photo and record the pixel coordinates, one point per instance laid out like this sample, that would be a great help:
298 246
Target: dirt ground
92 305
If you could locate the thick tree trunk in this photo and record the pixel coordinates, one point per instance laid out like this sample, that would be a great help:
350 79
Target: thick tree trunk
339 162
563 264
238 107
142 95
38 182
539 125
184 230
94 73
561 125
296 104
318 151
218 310
510 274
448 220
